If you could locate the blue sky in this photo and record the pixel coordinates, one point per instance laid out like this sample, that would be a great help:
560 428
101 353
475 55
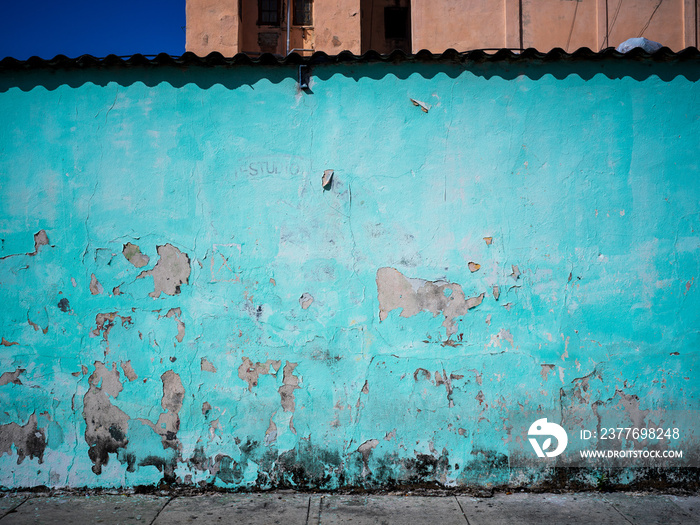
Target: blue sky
97 27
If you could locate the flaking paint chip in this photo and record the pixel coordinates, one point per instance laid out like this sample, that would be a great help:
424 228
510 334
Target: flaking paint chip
327 179
516 272
488 240
473 266
305 300
420 104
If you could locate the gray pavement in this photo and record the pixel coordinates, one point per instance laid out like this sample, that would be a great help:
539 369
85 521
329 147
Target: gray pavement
293 508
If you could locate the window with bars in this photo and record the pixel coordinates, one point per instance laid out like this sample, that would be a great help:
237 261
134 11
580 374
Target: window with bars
269 12
303 13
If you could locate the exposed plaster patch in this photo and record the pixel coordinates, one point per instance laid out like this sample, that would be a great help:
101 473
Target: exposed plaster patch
477 376
170 272
133 254
40 239
271 432
502 335
516 272
473 267
106 424
5 342
488 240
206 408
290 383
566 348
365 388
95 286
306 300
29 440
168 423
439 379
213 427
206 366
631 405
176 313
546 369
365 450
249 371
11 377
415 295
104 322
496 292
128 370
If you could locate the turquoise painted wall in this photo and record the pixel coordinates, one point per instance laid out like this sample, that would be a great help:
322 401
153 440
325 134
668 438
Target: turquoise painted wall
182 299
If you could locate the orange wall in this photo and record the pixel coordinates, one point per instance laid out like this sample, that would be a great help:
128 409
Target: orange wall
568 24
214 25
666 26
460 24
337 26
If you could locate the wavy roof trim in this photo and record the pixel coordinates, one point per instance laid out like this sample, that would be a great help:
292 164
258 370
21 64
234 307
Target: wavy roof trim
216 59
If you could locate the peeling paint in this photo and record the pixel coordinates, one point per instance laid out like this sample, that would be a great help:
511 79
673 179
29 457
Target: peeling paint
306 300
415 295
170 272
249 371
106 425
11 377
133 254
29 440
290 383
207 366
128 370
168 423
175 313
327 179
95 286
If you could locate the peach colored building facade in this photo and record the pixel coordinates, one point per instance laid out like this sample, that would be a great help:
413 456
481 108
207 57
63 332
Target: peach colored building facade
305 26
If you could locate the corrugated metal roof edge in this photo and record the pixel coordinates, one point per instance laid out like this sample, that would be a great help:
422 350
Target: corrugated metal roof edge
320 58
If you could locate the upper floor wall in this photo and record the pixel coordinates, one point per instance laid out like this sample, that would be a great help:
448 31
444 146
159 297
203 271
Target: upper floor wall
305 26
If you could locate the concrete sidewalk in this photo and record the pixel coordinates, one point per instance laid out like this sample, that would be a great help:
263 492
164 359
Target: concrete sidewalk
290 508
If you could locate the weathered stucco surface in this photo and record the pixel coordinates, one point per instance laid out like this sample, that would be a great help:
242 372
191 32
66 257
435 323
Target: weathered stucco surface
185 297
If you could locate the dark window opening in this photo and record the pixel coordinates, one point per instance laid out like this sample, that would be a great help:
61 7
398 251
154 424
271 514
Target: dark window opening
269 12
303 12
395 22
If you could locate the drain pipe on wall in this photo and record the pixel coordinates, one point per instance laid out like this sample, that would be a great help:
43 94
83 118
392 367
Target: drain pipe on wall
289 8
